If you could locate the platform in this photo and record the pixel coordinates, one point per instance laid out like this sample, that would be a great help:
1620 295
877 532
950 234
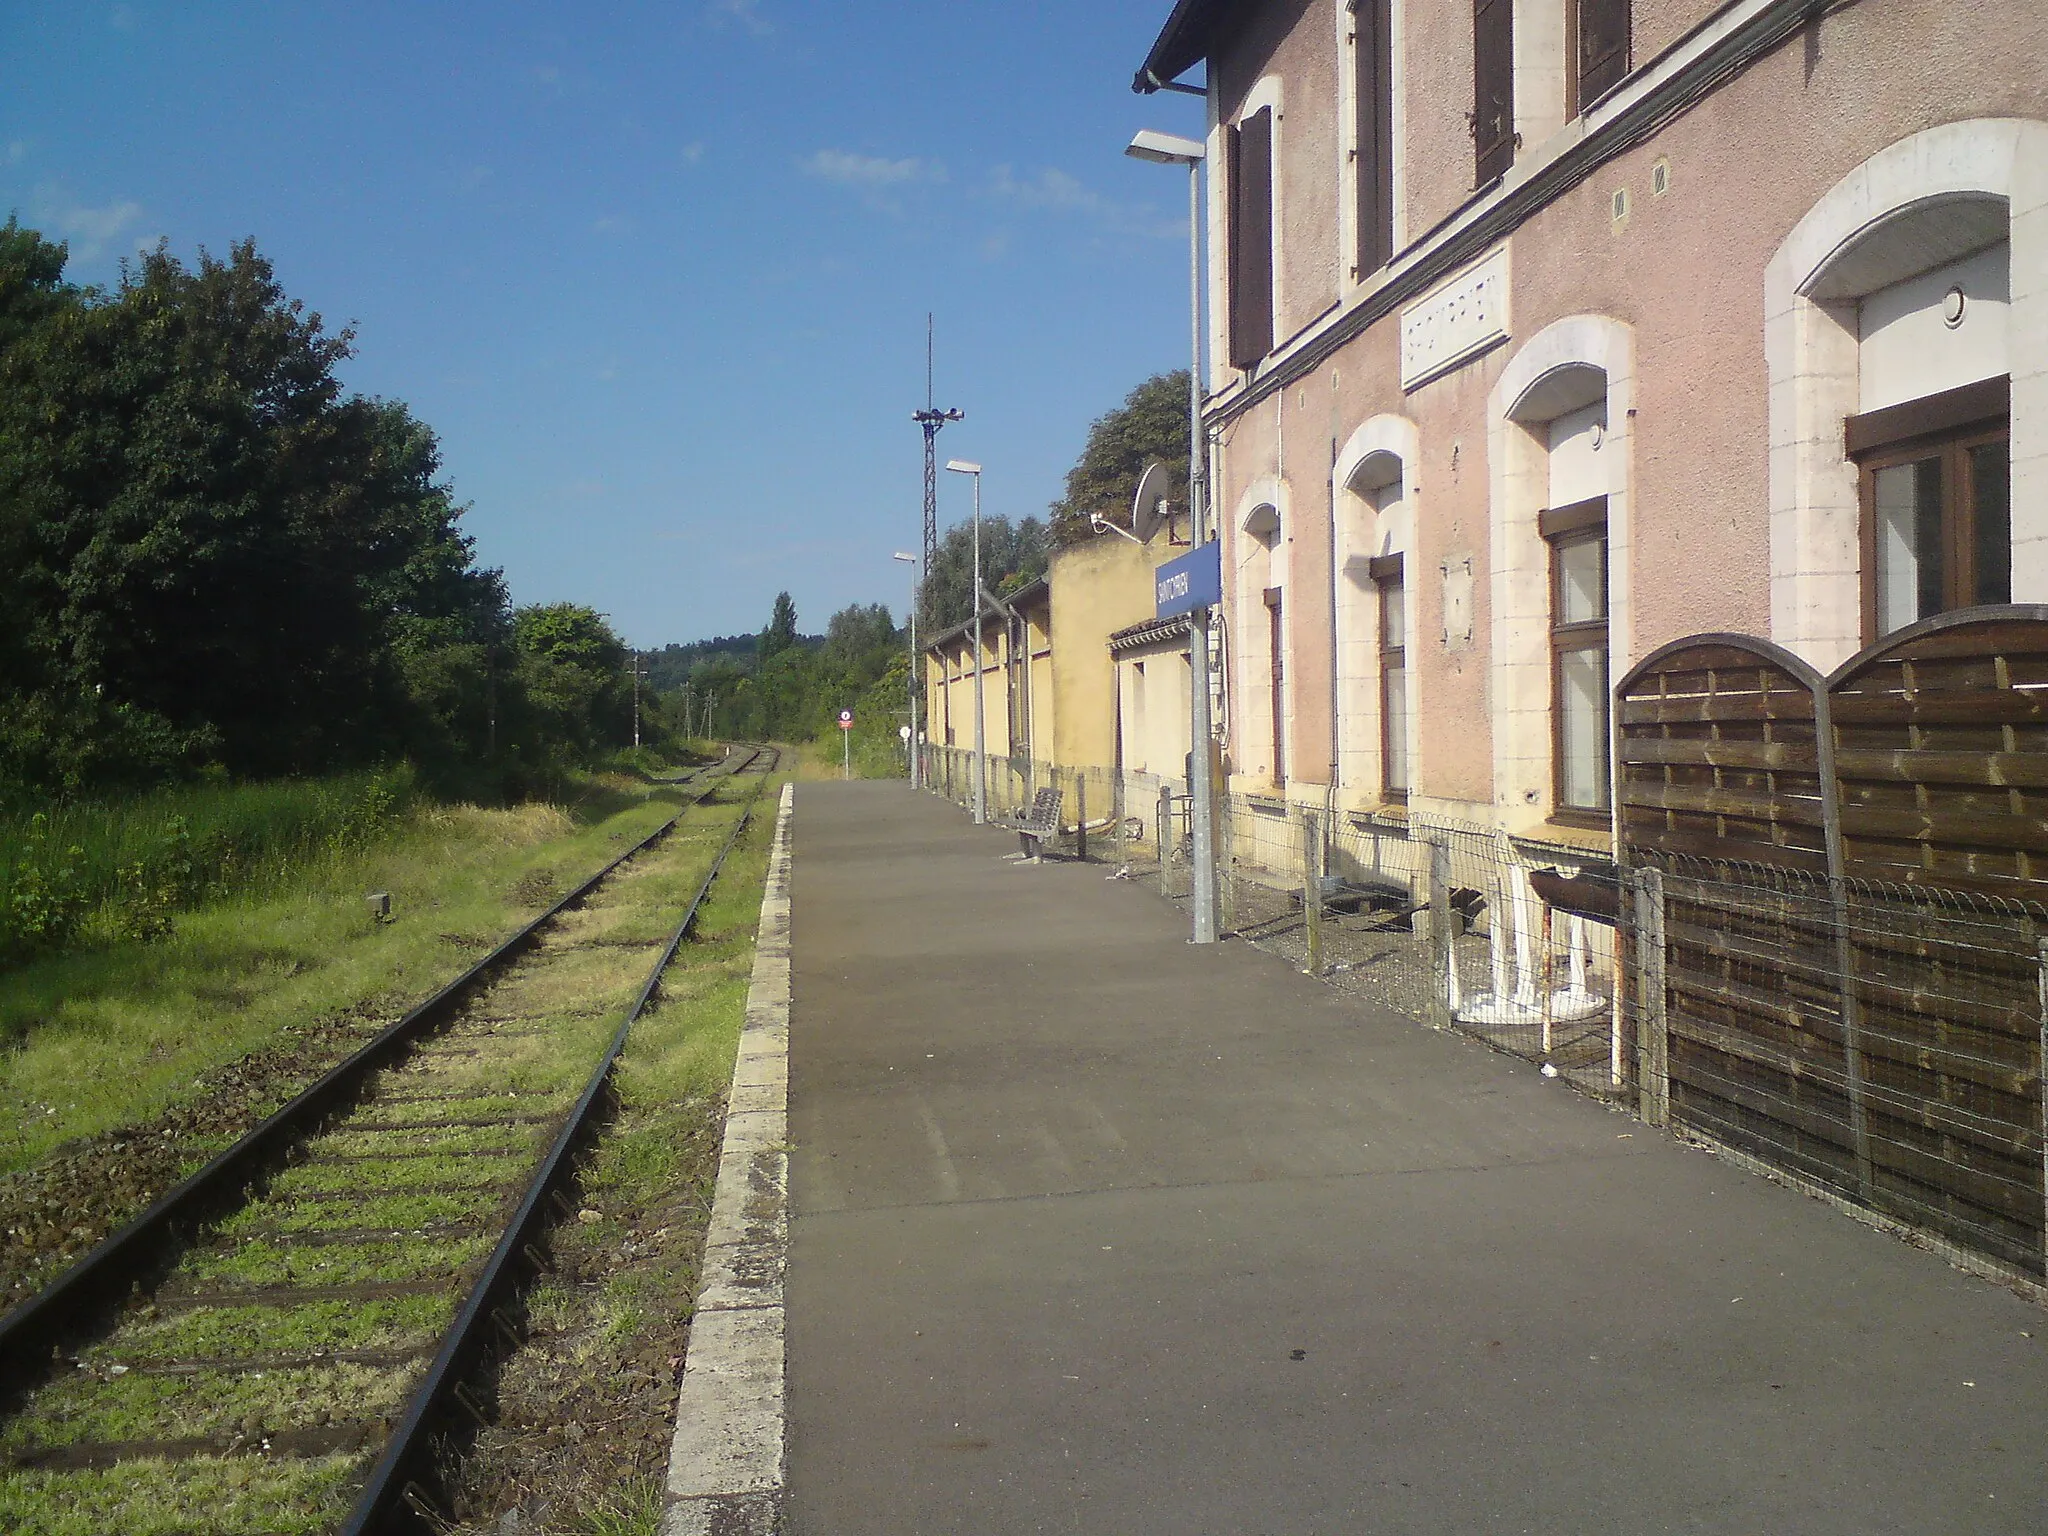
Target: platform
1095 1231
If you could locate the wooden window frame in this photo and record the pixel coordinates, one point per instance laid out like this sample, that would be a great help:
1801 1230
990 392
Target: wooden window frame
1578 98
1252 223
1387 571
1276 631
1372 53
1561 528
1493 159
1947 424
1958 510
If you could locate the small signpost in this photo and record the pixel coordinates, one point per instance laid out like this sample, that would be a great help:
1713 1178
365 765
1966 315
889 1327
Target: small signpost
846 743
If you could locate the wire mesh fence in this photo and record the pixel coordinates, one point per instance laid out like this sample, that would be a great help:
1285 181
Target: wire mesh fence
1884 1042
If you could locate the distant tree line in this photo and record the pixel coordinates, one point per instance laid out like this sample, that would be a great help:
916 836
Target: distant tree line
213 557
782 685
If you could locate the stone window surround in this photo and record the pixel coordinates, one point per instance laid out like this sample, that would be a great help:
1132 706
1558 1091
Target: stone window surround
1351 278
1258 560
1815 544
1382 450
1547 376
1266 93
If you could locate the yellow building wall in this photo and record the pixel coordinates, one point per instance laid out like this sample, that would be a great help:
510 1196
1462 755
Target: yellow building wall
1097 588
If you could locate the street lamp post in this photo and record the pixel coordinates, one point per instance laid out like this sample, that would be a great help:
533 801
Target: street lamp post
1169 149
637 675
963 467
916 775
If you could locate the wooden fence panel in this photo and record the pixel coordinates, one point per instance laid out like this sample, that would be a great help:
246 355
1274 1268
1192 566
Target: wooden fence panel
1717 753
1941 754
1856 877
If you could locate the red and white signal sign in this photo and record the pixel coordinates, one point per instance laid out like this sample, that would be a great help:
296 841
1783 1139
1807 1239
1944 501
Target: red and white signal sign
846 719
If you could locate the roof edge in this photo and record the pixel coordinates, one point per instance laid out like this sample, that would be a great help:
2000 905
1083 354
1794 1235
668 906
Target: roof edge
1182 43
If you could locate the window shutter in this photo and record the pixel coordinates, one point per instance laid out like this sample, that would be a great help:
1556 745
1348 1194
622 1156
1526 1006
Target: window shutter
1251 239
1603 27
1375 57
1493 88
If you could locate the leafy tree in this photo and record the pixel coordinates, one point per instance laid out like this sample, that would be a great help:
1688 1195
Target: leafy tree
780 634
32 286
1151 425
860 640
571 635
572 681
209 553
1012 556
198 515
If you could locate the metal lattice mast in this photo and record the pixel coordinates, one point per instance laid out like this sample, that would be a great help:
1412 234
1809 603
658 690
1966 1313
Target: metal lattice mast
931 420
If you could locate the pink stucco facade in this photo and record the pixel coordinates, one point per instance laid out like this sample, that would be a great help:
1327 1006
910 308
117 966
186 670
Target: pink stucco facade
1663 307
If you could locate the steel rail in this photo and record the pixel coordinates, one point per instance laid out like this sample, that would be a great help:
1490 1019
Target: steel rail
33 1332
398 1497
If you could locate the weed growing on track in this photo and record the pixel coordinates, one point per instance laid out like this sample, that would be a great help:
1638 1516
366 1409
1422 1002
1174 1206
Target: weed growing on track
84 1407
155 1498
220 1333
258 1263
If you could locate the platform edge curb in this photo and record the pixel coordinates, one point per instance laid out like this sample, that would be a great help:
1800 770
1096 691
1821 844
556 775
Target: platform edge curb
728 1457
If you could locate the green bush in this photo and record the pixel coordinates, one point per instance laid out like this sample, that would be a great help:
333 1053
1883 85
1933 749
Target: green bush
73 873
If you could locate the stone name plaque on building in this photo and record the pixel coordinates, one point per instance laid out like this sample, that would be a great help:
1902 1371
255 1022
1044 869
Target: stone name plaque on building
1462 318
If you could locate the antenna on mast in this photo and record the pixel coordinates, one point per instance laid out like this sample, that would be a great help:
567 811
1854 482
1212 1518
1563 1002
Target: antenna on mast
931 420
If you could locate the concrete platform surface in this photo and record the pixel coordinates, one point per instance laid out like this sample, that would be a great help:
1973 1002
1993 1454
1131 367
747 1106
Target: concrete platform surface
1097 1232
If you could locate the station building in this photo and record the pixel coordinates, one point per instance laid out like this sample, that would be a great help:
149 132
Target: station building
1547 331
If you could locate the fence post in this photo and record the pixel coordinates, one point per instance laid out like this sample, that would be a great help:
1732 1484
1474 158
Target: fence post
1442 933
1653 1037
1080 813
1165 836
1226 864
1117 816
1311 893
2041 1081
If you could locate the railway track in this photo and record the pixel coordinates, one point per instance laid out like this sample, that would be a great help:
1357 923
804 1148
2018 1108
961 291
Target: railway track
291 1340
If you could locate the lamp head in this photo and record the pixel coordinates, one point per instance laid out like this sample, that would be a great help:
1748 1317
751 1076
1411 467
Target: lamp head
1165 148
906 559
963 467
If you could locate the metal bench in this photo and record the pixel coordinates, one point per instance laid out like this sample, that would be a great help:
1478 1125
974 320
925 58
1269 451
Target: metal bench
1042 825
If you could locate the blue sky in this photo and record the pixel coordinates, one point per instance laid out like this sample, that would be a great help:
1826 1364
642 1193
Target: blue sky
658 273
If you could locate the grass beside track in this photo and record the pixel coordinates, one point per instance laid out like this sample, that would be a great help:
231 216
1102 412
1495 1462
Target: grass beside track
132 1063
245 1347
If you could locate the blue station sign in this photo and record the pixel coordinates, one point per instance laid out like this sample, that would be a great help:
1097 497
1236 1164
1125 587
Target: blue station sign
1193 581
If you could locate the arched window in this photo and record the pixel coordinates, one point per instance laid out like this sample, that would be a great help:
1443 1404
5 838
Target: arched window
1906 425
1560 486
1376 694
1261 639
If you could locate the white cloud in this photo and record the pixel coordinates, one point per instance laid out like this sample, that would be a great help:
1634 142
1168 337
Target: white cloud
742 13
1054 191
870 173
90 231
693 152
874 177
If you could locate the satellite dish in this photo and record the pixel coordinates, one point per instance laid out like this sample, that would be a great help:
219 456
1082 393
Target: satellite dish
1147 505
